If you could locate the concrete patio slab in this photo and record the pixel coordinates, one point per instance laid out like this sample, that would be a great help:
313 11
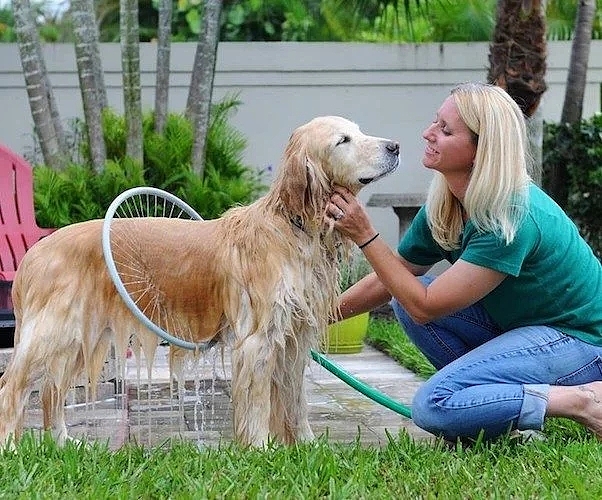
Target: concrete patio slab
201 411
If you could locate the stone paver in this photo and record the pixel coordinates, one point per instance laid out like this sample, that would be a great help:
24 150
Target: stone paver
203 412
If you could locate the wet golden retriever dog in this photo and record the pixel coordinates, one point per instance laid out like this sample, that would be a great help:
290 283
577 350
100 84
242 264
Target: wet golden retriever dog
262 280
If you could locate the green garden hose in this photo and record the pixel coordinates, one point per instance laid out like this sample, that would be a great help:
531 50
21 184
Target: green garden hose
358 385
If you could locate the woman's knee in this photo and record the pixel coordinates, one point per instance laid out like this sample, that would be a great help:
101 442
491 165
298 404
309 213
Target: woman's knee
426 414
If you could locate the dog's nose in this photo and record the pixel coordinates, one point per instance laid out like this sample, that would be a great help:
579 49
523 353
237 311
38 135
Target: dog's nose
393 146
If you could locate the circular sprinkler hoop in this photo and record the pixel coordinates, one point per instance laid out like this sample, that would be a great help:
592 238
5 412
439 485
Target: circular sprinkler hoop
136 202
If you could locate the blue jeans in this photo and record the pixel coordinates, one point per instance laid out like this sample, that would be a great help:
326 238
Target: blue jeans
488 380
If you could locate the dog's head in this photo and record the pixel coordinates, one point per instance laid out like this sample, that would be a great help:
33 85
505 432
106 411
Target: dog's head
331 150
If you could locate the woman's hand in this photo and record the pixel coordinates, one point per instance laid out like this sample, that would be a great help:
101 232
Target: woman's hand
349 216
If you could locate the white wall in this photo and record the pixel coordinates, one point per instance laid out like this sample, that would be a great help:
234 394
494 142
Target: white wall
389 90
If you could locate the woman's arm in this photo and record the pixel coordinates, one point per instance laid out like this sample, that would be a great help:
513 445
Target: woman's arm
458 287
461 285
365 295
369 292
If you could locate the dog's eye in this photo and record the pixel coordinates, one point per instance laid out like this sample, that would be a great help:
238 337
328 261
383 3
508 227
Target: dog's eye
344 139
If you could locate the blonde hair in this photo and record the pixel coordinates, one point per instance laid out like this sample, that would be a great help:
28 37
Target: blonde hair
496 195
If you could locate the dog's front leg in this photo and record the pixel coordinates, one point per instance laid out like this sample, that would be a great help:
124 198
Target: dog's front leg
253 364
289 418
302 432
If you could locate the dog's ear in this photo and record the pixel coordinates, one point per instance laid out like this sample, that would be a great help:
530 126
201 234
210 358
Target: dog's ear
302 184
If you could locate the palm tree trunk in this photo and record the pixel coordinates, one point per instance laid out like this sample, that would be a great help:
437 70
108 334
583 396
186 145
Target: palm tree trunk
41 99
130 60
54 109
572 109
86 49
517 58
198 106
535 138
163 58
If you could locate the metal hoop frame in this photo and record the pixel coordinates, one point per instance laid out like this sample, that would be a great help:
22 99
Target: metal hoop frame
112 268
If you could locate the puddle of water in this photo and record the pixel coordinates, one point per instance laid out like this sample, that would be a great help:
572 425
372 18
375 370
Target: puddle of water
146 405
192 403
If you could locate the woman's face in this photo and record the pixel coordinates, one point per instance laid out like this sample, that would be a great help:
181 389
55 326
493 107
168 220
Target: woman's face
449 142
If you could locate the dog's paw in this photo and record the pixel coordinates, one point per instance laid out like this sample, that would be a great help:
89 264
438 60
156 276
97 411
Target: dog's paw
62 438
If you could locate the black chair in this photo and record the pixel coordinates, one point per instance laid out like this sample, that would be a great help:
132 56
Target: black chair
7 316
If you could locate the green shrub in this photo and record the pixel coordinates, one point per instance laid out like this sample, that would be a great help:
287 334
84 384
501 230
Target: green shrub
353 268
79 194
579 147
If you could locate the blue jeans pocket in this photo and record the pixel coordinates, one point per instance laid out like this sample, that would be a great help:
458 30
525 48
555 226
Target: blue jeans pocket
587 373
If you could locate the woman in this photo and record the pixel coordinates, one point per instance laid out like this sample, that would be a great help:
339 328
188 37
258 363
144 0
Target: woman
514 325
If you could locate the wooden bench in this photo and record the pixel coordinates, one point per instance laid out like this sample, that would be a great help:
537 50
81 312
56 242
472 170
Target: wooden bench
405 206
18 228
19 231
18 225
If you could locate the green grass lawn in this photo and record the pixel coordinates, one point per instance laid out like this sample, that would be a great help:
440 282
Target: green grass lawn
387 336
568 464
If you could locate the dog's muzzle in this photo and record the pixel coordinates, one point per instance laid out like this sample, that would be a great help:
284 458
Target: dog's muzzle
391 164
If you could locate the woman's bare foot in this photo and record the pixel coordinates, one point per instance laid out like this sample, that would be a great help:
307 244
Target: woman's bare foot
582 403
592 411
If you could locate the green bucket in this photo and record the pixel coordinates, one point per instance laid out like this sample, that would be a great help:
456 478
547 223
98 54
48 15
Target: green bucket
346 336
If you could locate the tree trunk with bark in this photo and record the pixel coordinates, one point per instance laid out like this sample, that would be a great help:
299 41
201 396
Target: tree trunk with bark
130 61
198 106
44 111
163 62
572 109
517 59
86 53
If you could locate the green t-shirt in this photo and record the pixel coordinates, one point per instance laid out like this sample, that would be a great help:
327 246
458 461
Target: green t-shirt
554 278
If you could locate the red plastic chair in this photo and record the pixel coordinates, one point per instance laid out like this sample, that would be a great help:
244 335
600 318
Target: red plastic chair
18 227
